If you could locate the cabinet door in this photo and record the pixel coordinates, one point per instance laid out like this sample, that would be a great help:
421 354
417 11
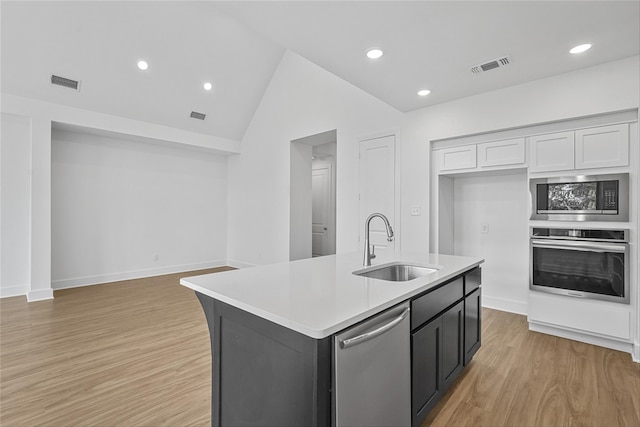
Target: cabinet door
602 147
456 158
425 369
472 325
452 344
501 153
552 152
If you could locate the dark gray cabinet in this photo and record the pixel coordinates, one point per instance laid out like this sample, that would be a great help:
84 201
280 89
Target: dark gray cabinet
472 314
264 374
439 340
437 359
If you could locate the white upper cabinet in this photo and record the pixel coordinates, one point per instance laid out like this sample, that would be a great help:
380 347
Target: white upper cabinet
602 147
501 153
456 158
599 147
552 152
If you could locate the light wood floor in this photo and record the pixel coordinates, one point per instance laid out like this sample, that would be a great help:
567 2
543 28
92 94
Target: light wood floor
136 353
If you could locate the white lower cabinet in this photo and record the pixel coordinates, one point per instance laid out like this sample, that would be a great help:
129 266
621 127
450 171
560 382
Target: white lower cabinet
602 147
603 319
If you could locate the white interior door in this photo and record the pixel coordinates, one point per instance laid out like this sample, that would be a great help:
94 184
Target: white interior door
320 223
377 189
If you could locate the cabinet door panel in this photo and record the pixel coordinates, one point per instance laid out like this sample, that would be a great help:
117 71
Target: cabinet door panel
501 153
552 152
472 331
455 158
601 147
452 344
425 381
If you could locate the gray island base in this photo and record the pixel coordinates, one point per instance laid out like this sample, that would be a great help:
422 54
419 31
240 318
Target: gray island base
265 373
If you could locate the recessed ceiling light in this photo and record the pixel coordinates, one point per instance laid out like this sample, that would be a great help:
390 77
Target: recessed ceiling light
143 65
580 48
374 53
424 92
208 86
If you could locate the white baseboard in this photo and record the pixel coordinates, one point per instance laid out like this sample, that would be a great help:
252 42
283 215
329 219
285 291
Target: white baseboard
501 304
40 295
239 264
13 291
582 337
129 275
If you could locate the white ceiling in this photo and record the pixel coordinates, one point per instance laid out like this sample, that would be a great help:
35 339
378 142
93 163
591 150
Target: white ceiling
237 45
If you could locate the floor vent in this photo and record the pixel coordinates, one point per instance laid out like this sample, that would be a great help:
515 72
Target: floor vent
65 82
199 116
496 63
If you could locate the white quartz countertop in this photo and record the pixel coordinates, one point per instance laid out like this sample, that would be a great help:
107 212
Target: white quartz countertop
320 296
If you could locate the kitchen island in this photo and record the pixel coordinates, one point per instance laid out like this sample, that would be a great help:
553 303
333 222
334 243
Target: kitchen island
272 330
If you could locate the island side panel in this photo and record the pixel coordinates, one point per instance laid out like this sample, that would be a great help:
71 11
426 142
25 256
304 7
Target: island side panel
264 374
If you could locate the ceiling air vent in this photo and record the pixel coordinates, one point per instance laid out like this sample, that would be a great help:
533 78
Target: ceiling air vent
199 116
496 63
65 82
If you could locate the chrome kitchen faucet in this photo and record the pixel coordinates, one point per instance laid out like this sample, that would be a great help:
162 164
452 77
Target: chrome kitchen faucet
369 253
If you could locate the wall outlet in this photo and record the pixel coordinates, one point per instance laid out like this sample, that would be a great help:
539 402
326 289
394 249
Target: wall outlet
156 257
415 210
484 229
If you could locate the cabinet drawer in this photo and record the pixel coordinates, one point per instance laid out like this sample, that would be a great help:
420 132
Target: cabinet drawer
472 280
427 306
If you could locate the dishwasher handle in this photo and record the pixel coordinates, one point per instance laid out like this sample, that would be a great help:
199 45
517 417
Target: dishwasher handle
350 342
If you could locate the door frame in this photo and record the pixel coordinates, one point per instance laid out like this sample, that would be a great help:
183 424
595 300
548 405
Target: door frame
397 227
330 164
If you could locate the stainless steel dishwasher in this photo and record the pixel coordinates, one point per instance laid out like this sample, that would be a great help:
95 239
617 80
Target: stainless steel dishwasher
372 371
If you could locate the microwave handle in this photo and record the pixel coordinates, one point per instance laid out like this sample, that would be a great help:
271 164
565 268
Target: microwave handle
579 246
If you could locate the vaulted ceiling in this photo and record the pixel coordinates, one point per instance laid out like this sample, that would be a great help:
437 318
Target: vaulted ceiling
237 46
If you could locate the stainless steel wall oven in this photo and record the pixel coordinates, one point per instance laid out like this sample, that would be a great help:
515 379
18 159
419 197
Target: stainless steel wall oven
581 198
585 263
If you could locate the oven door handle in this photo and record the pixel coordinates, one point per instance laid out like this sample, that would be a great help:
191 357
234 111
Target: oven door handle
579 246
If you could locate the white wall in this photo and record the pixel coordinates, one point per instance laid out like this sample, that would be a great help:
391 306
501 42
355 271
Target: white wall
41 115
116 204
300 208
15 181
612 86
302 99
501 205
608 87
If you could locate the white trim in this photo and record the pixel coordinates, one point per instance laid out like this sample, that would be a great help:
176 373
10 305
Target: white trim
635 353
239 264
585 338
13 291
115 277
615 117
397 227
507 305
40 295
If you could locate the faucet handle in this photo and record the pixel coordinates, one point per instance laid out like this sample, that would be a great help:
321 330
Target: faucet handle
373 252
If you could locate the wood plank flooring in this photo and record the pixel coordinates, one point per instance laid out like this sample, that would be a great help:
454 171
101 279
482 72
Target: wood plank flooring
136 353
131 353
524 378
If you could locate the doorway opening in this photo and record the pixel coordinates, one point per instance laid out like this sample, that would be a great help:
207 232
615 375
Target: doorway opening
312 221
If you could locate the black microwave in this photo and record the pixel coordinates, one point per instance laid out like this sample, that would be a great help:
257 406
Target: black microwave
581 198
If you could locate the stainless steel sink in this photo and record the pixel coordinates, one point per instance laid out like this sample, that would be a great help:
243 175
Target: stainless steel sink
396 272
